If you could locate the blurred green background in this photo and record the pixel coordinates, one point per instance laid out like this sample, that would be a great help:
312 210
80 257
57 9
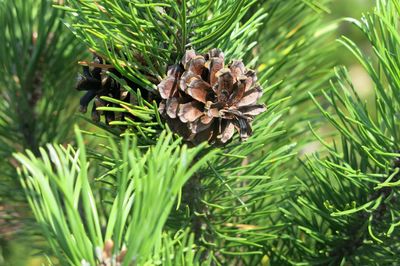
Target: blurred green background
352 8
14 252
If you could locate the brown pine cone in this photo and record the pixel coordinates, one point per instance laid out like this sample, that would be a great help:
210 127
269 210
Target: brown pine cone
204 101
106 257
97 83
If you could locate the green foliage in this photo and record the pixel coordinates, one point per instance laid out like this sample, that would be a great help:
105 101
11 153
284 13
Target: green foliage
295 54
348 211
38 59
61 194
243 203
37 72
142 39
236 208
232 205
37 62
229 204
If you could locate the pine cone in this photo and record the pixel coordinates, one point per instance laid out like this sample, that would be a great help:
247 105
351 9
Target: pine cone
203 100
95 80
106 257
97 83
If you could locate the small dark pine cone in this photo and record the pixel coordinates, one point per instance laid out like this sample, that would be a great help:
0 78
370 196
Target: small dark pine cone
202 100
97 83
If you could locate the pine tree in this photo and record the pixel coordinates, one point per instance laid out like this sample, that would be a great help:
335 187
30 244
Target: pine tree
134 189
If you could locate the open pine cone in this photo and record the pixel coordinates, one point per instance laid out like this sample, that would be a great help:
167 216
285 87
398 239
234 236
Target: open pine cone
202 100
97 82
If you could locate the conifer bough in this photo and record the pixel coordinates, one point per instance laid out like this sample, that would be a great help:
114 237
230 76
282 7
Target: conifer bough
201 99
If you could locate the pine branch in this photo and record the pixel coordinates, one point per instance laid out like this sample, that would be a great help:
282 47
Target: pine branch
258 172
62 197
151 37
240 204
38 59
348 211
36 75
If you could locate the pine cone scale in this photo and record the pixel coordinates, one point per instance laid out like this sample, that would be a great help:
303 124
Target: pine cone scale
198 89
225 85
228 132
252 110
199 125
196 65
173 105
189 112
169 85
250 97
215 65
